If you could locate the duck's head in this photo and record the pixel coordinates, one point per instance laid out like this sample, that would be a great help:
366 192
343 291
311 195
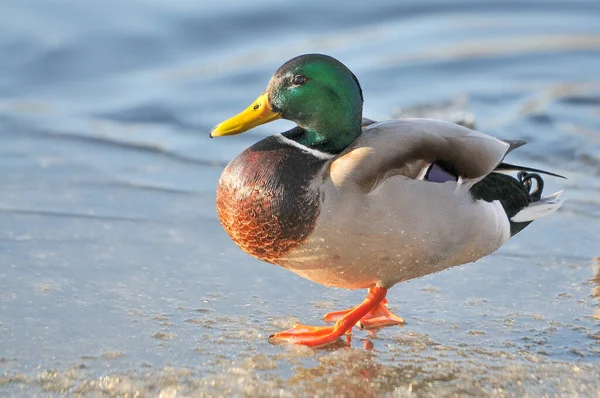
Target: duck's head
317 92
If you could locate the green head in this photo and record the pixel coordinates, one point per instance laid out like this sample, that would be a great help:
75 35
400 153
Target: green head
318 93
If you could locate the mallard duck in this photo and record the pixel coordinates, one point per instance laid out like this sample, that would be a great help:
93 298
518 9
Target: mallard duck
351 203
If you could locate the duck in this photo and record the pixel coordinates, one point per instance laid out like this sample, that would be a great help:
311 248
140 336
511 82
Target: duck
348 202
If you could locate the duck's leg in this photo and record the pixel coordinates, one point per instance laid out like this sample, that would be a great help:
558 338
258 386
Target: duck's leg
320 335
378 317
336 315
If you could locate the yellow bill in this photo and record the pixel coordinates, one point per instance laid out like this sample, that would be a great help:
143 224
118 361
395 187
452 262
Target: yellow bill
256 114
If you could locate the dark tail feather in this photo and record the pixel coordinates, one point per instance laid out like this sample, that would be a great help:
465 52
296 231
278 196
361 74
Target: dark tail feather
513 167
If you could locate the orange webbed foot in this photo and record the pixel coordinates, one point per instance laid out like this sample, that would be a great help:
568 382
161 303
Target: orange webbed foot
336 315
377 318
312 336
315 336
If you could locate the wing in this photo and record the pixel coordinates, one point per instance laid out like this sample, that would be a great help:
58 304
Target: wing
507 167
409 147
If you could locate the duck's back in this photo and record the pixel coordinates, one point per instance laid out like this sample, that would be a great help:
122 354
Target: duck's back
385 217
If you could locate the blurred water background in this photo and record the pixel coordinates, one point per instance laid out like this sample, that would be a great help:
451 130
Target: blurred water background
116 277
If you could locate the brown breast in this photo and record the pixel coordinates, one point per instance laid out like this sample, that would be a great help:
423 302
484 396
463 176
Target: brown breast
264 200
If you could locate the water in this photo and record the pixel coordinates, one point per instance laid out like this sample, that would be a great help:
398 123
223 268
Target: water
117 278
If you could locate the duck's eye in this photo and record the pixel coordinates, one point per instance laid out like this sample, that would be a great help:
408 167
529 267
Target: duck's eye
298 80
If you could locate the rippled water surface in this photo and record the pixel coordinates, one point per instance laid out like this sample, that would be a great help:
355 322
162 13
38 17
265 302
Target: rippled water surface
116 277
